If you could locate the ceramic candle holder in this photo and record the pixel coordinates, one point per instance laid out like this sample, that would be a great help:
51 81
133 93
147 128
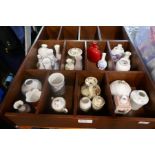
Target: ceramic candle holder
59 104
138 99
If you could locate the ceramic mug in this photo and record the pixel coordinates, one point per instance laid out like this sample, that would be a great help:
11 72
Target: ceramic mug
85 104
59 104
57 83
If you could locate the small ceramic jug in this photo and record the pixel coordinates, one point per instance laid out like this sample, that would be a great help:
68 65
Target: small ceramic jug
21 107
31 84
98 103
93 52
124 63
138 99
33 95
117 52
85 104
59 104
102 64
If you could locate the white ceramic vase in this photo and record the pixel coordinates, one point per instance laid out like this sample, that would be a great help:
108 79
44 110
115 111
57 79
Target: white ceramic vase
102 64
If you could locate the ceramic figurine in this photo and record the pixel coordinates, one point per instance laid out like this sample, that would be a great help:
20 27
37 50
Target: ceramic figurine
122 104
21 107
31 84
57 83
42 51
47 63
85 104
93 52
117 52
74 52
69 64
102 64
124 63
120 88
33 95
59 104
57 50
138 99
98 103
78 63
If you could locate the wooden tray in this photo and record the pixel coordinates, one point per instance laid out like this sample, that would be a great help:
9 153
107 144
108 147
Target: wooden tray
68 37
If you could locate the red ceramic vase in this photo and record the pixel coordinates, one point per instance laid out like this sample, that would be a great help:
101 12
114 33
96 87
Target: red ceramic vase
94 54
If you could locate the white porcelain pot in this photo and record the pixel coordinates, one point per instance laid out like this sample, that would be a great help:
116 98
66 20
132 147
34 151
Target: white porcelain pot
74 52
31 84
123 65
85 104
120 88
138 99
98 103
59 104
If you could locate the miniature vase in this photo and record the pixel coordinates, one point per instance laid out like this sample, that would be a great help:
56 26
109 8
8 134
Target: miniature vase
124 63
102 64
57 50
93 52
42 51
117 52
78 63
85 104
98 103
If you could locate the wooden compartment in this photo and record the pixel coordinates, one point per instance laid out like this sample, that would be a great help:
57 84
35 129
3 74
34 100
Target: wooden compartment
112 33
89 33
69 33
73 44
45 106
137 81
31 59
103 47
49 32
81 37
105 93
134 59
16 88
